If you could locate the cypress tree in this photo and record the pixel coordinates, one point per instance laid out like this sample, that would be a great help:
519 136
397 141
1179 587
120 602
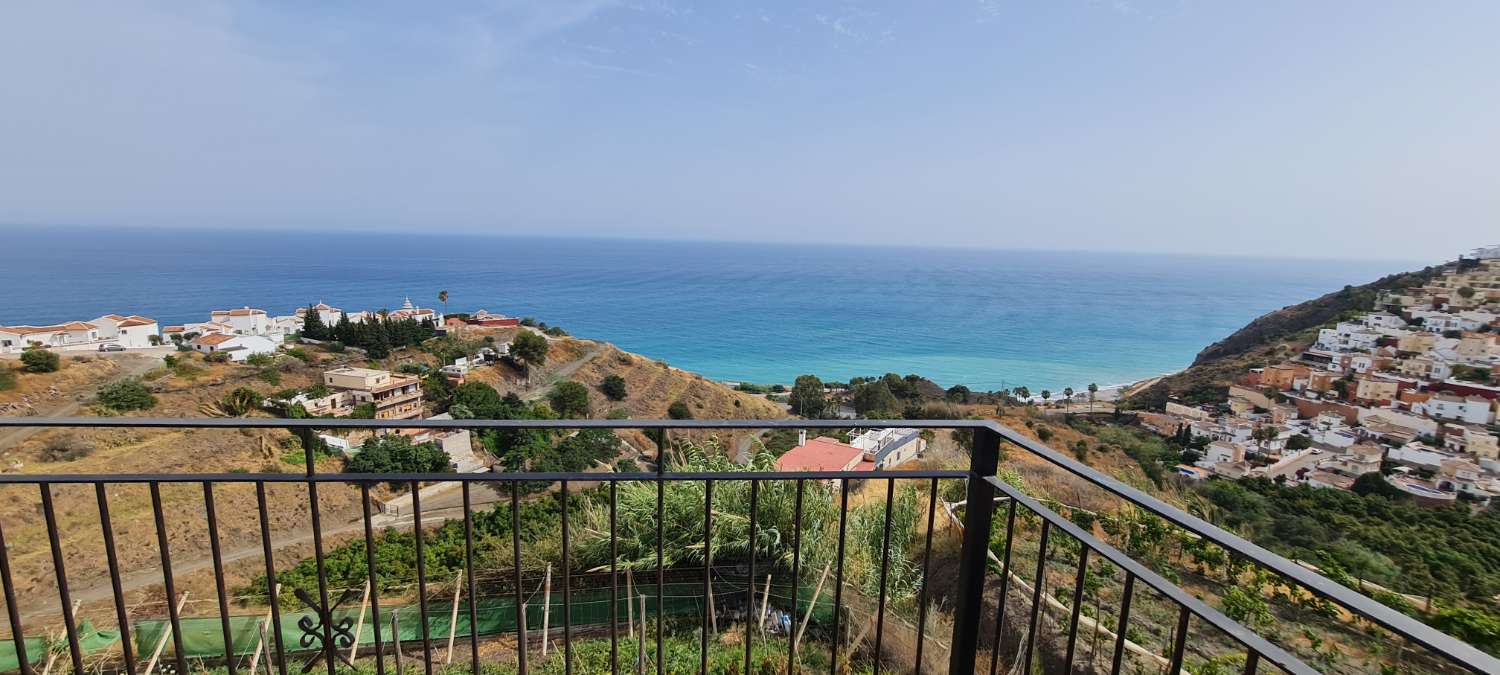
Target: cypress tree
312 325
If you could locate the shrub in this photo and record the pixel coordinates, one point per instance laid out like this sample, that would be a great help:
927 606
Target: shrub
394 453
363 411
260 359
555 331
7 378
40 361
300 354
125 395
216 357
66 448
269 376
613 386
569 399
184 347
679 411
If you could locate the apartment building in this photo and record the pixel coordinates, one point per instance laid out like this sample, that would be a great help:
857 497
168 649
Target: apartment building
395 397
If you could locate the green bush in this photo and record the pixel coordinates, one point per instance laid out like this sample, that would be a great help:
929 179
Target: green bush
260 359
679 411
613 387
569 399
394 453
126 395
40 361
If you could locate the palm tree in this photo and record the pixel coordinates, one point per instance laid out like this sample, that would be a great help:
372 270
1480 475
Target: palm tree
1067 398
443 298
1093 389
1046 397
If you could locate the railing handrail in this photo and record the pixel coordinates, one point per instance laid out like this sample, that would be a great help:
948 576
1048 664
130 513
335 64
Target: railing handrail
1263 648
1453 649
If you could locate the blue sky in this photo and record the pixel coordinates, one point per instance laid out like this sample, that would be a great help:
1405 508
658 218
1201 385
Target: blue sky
1323 129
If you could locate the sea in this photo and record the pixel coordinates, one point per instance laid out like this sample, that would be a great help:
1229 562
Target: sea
763 313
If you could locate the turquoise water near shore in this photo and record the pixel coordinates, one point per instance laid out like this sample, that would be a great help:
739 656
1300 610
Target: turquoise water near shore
756 312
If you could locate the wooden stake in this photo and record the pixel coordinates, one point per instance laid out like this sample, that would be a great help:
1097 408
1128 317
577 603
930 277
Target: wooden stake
269 669
765 606
458 584
396 638
713 618
629 603
640 650
261 642
359 626
546 609
162 643
817 592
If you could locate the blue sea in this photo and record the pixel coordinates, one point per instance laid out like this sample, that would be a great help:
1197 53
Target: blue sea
751 312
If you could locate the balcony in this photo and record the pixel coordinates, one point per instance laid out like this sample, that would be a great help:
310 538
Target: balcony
699 565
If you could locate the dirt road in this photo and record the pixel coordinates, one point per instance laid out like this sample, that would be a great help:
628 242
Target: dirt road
131 365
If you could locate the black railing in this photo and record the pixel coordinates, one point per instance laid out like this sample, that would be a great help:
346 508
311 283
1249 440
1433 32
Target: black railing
983 563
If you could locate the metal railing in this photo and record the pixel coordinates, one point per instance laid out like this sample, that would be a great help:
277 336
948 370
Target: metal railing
326 636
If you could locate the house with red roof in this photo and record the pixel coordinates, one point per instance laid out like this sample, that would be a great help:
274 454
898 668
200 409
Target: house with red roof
824 454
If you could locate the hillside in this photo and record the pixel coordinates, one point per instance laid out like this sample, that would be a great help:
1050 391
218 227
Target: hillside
1269 337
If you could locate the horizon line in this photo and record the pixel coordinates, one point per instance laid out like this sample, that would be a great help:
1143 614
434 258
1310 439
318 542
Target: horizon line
483 234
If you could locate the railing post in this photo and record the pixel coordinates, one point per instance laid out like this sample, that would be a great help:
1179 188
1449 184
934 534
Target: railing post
984 457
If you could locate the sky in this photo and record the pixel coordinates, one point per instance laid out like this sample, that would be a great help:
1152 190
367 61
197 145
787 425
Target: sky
1322 129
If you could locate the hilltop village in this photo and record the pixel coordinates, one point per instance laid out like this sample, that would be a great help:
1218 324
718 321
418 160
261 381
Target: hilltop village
1402 398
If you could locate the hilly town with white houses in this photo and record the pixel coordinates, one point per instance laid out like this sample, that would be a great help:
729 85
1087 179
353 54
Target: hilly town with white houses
1405 394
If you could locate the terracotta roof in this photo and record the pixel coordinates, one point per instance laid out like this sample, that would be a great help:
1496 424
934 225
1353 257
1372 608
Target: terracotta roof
137 321
174 329
113 317
29 330
212 339
244 311
819 454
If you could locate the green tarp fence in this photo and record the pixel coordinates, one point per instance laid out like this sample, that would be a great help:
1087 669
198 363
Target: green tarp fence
203 637
90 640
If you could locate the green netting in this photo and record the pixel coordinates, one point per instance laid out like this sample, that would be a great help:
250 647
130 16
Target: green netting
203 637
89 641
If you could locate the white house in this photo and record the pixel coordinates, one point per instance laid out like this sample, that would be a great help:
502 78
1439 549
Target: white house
244 321
1465 409
239 347
889 447
73 335
1221 452
131 332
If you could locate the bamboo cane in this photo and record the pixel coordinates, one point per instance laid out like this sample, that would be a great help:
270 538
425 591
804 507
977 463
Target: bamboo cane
546 609
359 627
640 650
269 670
162 643
713 618
629 603
817 592
765 606
261 643
458 585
